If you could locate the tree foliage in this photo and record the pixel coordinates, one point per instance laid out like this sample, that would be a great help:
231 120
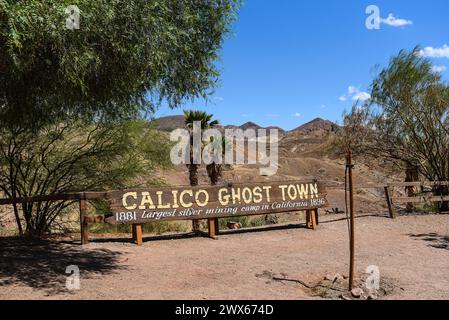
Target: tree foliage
126 56
75 157
407 119
67 96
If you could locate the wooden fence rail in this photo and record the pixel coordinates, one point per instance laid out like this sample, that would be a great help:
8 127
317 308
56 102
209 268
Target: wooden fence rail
56 197
391 200
83 197
388 190
138 206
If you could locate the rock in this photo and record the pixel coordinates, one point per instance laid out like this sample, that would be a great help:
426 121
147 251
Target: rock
357 292
345 297
234 225
372 296
329 277
334 278
339 277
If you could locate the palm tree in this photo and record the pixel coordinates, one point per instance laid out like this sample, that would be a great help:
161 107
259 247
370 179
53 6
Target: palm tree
192 116
215 172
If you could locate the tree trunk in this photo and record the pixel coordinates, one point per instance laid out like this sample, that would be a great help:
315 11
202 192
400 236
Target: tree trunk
193 179
214 172
16 215
193 174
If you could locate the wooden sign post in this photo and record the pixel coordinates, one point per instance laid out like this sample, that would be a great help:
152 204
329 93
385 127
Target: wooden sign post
350 166
212 202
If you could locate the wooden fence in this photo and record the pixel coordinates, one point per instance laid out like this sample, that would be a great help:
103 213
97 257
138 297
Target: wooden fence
392 200
83 197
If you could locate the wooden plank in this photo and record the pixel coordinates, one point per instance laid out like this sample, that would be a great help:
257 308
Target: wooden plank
389 203
137 234
368 186
166 195
400 184
212 228
419 183
130 217
84 226
421 199
190 203
56 197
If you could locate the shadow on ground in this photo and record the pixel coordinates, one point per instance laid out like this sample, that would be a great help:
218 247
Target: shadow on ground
435 240
41 264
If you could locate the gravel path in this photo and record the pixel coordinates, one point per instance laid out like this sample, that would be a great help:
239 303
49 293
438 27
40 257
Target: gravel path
411 252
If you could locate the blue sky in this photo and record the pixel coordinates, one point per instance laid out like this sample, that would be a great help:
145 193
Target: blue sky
290 61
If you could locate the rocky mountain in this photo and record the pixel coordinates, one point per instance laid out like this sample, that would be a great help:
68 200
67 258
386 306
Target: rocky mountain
170 123
318 124
303 152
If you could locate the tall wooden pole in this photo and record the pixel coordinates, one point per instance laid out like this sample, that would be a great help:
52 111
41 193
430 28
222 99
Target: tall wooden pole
349 165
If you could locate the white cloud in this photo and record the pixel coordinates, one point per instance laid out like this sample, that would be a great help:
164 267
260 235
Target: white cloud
439 68
219 98
323 106
352 90
431 52
355 94
246 115
395 22
297 115
361 96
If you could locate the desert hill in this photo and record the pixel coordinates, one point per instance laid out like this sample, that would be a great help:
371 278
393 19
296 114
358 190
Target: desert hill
170 123
317 124
303 152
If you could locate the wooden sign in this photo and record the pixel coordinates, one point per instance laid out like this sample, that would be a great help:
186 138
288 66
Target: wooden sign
187 203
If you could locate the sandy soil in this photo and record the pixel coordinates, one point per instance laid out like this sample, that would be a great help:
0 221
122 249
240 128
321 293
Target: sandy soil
411 252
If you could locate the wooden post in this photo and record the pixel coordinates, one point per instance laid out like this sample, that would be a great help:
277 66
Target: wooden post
349 166
137 234
316 216
217 227
389 202
212 228
311 219
308 218
83 221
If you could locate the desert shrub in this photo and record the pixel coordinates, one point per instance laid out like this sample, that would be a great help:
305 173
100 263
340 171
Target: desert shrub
405 122
75 157
244 221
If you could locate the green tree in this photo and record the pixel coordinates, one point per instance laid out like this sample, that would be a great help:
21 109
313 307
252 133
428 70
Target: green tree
126 57
75 157
66 94
406 121
206 122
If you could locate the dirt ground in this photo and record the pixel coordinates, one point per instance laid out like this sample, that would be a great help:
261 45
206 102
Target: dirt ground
412 254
